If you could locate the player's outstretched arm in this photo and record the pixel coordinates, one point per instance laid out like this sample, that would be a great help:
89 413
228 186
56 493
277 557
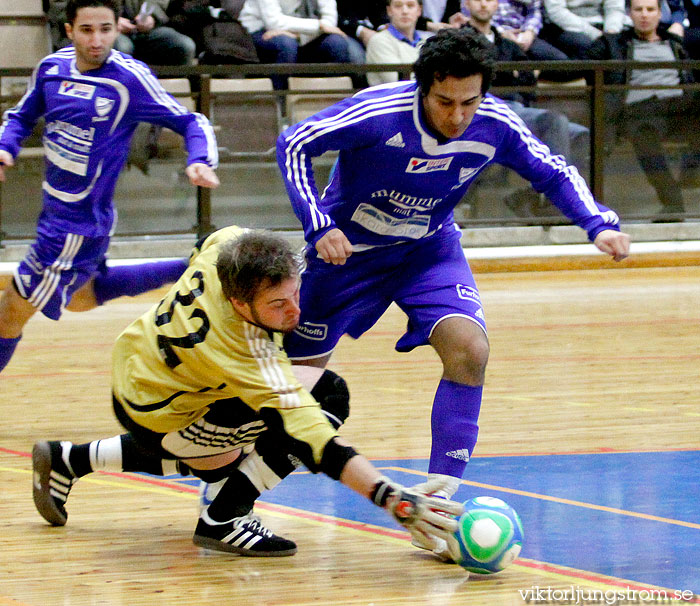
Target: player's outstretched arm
410 508
202 175
6 160
614 243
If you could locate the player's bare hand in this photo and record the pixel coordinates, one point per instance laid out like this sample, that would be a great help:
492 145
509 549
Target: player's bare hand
125 26
202 175
430 516
6 160
458 19
614 243
525 39
334 247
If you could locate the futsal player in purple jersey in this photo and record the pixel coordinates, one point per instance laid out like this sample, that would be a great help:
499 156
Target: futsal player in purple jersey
92 97
383 230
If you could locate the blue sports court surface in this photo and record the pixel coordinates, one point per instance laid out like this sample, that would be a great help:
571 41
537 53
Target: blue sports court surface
618 518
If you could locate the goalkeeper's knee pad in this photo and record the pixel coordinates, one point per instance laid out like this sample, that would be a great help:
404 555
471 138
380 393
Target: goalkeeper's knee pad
331 392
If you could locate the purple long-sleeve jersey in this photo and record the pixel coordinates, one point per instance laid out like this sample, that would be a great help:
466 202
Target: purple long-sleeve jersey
395 181
90 118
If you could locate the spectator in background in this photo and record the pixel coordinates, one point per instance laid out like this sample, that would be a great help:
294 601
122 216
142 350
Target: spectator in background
575 24
56 16
648 116
295 31
441 13
399 42
563 137
521 21
143 33
692 34
673 16
214 26
360 20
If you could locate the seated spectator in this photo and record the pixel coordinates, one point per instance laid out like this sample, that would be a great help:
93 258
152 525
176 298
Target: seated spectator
574 25
692 34
360 20
296 31
563 137
521 21
649 116
143 33
673 16
214 26
399 42
56 17
441 13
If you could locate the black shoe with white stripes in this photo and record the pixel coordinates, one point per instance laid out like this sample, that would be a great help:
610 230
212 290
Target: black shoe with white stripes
52 482
245 536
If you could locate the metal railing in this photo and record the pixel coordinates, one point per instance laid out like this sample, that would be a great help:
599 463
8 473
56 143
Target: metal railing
593 90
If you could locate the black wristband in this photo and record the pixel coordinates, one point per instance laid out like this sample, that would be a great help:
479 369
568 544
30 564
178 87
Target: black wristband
382 491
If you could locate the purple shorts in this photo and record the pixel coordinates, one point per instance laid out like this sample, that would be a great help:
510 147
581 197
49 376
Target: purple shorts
55 267
429 280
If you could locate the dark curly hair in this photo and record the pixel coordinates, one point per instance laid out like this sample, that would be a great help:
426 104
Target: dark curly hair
74 5
454 52
254 260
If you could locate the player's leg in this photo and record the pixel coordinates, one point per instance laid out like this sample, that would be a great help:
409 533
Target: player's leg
126 280
56 265
57 466
463 349
226 504
15 312
444 310
248 492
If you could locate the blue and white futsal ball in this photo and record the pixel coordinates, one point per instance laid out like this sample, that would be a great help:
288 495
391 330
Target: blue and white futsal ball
490 535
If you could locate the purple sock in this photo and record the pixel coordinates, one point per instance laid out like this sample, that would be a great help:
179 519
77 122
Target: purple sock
133 280
455 427
7 348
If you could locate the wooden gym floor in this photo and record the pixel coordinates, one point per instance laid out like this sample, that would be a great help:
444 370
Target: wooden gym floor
590 428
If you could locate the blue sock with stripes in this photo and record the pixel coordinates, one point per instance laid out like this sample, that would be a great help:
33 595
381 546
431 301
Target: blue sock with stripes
132 280
454 424
7 348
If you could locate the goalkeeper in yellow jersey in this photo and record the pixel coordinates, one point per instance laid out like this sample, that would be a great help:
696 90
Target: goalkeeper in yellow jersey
203 387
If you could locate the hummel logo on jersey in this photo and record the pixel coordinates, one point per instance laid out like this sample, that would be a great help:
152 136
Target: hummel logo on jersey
76 89
103 106
26 280
52 71
462 455
396 141
424 165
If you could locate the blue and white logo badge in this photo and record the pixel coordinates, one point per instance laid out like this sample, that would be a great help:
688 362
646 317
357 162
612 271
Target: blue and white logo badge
466 173
309 330
468 293
427 165
103 106
76 89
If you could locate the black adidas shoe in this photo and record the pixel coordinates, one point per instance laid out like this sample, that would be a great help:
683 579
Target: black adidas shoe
245 536
52 482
